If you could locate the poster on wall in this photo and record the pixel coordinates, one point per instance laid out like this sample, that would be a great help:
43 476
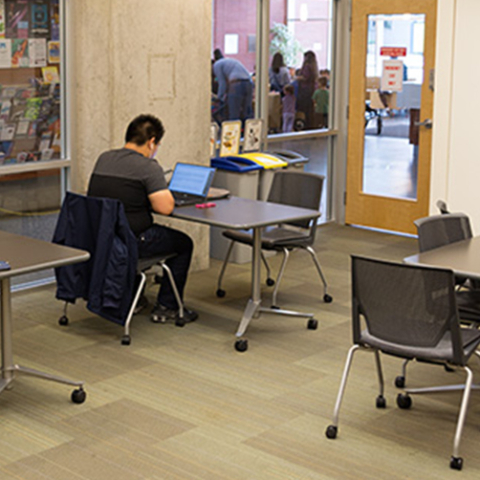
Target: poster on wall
16 18
5 53
55 20
50 75
53 52
20 53
40 18
2 18
37 48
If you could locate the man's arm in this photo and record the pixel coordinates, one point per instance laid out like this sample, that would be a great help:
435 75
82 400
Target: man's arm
162 201
222 81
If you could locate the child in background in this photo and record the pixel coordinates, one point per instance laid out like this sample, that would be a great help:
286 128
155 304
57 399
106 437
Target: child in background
288 108
321 100
325 72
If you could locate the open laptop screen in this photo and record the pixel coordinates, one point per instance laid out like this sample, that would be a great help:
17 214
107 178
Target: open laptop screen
191 179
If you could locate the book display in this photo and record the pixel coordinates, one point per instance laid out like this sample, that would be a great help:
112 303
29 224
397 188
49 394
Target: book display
30 114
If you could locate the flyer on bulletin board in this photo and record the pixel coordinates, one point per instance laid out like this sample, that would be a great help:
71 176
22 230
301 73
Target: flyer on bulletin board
16 18
5 53
40 19
37 48
230 138
2 18
53 52
20 56
50 75
55 20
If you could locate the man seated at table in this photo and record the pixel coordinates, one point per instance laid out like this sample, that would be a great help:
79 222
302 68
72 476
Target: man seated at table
132 175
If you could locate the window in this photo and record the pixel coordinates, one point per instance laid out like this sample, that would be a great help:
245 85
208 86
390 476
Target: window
30 116
233 71
301 43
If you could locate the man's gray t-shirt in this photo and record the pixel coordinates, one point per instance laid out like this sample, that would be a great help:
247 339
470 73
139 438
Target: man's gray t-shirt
130 177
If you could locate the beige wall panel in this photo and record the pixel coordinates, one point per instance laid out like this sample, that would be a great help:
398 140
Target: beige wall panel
120 47
90 85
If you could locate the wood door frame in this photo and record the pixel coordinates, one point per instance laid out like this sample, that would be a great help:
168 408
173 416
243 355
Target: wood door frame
362 208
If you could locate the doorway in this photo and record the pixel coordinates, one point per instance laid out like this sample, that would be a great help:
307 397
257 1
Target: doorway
391 101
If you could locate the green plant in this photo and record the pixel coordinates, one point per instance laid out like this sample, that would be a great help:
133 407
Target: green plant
284 42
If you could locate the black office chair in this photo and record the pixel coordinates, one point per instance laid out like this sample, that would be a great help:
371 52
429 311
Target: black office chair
85 222
424 327
299 189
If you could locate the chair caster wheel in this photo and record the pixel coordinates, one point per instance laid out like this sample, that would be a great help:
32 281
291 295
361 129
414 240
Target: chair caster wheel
404 401
126 340
241 345
400 381
275 307
180 322
456 463
327 298
331 432
63 321
312 324
270 282
220 293
381 402
78 396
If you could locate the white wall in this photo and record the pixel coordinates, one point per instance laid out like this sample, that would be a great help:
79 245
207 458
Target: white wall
456 139
141 56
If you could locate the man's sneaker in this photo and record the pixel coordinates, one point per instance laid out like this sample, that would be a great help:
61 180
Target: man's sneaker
161 314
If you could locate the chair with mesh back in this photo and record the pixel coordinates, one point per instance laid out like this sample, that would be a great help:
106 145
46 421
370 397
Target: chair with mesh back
299 189
424 328
436 231
439 230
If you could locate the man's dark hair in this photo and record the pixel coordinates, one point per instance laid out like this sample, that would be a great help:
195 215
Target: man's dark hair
143 128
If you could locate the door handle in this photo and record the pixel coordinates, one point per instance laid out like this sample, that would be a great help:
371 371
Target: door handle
426 123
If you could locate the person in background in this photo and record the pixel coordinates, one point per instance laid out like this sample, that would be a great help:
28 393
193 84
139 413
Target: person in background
132 175
235 87
325 72
278 74
288 108
321 100
307 81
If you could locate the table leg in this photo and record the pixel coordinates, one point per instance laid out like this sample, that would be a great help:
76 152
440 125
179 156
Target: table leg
9 369
254 307
6 327
253 304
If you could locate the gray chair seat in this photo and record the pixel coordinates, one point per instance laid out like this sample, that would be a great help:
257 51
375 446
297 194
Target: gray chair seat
298 189
148 262
442 352
272 239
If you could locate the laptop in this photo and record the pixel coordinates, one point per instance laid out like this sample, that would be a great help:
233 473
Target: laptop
190 183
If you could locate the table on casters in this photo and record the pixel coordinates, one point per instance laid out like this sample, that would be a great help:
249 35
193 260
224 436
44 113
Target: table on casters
242 214
27 255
